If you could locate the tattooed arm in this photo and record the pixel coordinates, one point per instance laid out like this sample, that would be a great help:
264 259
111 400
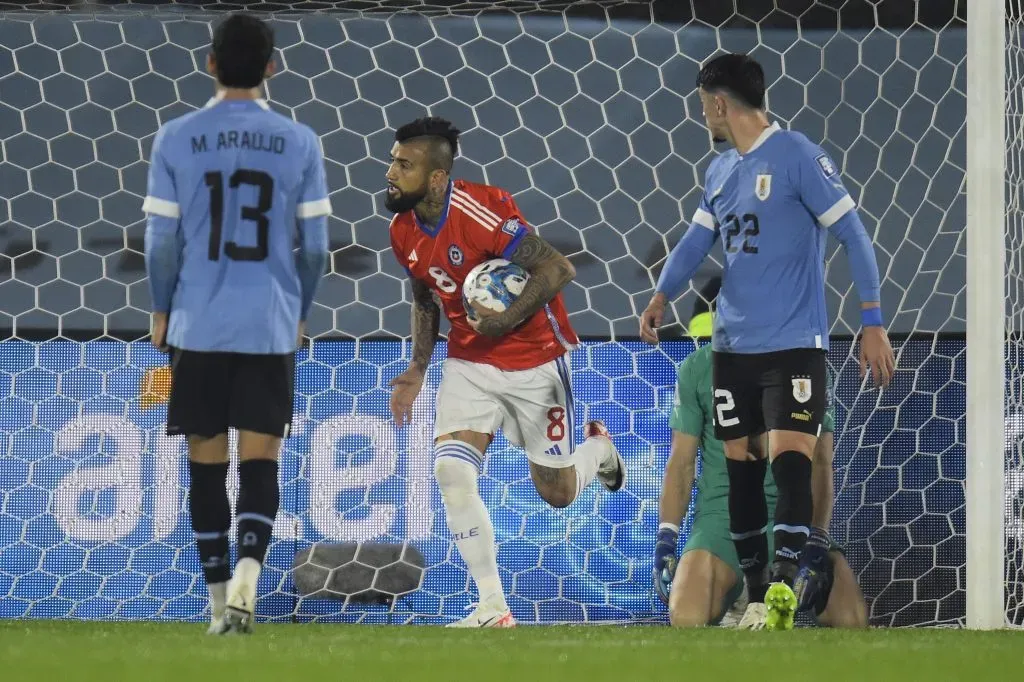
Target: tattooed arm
549 272
426 323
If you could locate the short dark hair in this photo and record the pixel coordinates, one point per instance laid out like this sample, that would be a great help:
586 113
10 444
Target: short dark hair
441 136
737 75
242 48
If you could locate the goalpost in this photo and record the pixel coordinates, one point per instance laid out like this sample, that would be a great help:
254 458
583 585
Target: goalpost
585 111
987 326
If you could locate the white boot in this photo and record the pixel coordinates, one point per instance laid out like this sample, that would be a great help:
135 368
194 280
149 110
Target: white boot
753 617
613 473
486 616
241 604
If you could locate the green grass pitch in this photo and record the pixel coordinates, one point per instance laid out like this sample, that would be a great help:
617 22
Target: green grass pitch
150 652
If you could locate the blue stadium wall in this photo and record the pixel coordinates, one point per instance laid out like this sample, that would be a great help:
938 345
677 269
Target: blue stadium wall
94 524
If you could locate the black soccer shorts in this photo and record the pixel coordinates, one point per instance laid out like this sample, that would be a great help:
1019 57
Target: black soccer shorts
212 391
784 390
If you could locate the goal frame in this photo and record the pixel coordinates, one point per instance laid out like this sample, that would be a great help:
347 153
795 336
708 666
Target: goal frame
986 338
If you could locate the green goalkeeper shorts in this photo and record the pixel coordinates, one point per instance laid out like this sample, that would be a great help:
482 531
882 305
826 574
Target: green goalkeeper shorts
710 533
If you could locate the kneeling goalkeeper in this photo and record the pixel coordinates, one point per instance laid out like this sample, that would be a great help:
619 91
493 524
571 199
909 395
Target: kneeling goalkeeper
707 587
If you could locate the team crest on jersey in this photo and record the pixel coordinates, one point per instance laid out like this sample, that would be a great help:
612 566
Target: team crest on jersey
763 187
455 255
801 389
511 227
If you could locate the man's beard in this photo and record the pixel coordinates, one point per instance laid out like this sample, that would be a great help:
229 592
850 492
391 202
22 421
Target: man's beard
718 140
403 201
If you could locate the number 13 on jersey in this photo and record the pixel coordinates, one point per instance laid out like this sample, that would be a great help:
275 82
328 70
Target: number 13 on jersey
257 214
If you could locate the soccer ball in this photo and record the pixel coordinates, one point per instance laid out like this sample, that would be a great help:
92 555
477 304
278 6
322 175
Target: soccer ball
494 285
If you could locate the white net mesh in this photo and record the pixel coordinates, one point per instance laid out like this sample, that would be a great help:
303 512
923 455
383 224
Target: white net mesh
591 120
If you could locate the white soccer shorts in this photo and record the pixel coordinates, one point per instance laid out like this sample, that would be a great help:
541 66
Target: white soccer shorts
532 407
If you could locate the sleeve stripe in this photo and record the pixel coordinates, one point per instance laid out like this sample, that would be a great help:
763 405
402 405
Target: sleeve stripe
161 207
704 219
838 210
314 209
471 212
469 200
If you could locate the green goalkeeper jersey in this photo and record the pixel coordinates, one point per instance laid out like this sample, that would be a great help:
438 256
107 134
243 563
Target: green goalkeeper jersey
693 415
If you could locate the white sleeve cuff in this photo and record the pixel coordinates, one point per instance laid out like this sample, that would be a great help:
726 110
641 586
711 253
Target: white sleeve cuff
704 219
314 209
838 210
161 207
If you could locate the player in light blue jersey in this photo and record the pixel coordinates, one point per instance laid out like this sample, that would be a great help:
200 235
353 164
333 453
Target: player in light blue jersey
771 199
233 188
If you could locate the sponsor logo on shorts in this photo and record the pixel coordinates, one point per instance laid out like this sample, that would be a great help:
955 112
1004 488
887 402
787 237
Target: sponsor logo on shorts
801 389
554 451
455 255
804 416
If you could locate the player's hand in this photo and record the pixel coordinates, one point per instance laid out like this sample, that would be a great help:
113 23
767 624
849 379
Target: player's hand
665 562
404 389
489 322
158 331
812 575
651 319
876 354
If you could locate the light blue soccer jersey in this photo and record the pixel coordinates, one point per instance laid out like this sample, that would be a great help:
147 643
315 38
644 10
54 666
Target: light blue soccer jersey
233 189
771 207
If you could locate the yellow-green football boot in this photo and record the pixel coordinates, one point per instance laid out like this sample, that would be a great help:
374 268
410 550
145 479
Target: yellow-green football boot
780 604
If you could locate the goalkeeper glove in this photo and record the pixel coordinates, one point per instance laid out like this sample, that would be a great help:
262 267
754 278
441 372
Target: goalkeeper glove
812 576
665 560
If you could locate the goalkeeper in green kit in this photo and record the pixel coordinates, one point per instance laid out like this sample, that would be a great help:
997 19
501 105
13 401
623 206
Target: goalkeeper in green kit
705 586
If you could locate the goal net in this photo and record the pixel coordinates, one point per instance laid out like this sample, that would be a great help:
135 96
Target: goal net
587 113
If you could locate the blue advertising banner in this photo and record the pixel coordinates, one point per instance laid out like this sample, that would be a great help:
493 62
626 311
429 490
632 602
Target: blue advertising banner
93 521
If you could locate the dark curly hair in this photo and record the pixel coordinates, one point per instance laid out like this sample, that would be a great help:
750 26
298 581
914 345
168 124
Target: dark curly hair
439 133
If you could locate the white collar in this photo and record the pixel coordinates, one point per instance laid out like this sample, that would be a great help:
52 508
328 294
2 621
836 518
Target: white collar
219 97
765 134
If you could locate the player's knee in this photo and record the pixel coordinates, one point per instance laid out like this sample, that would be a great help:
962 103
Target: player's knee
558 498
683 618
791 441
556 486
823 450
456 475
475 439
844 618
684 614
208 450
757 446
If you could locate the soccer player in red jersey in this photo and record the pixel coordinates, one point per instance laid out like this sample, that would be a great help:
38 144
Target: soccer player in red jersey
506 370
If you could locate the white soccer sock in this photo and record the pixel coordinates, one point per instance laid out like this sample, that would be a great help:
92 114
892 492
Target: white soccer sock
590 456
455 469
247 571
218 598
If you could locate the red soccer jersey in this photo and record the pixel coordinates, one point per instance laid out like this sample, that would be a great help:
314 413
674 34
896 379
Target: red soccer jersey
478 223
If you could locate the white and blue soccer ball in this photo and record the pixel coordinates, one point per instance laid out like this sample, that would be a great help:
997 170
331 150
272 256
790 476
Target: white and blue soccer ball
494 285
